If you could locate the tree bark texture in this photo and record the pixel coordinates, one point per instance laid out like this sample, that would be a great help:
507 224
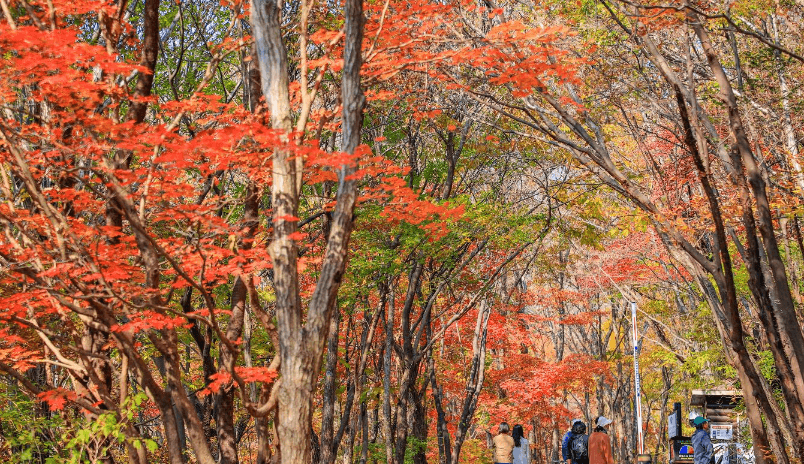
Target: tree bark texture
731 321
150 51
301 344
790 362
328 401
474 381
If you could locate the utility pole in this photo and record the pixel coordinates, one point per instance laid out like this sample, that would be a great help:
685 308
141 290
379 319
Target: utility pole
638 392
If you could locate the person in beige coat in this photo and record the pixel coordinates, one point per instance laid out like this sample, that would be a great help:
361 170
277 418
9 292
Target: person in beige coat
502 444
600 444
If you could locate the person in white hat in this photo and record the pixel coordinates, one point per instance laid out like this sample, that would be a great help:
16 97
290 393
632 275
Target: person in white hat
599 443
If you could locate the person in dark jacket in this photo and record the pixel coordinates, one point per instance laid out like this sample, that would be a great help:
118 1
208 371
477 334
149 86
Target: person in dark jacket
565 451
703 450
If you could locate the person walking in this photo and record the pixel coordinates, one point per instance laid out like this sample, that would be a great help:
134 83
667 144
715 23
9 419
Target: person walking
600 444
566 456
502 445
703 450
578 445
521 446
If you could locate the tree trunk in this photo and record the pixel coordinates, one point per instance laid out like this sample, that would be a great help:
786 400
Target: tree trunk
409 363
358 381
787 123
474 381
442 433
791 361
387 425
301 344
150 50
355 389
726 309
418 423
765 440
174 443
224 398
328 400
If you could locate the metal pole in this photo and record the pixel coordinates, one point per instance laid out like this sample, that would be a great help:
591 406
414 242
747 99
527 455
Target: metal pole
638 394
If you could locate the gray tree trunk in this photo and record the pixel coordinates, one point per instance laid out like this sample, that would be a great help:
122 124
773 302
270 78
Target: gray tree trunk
301 344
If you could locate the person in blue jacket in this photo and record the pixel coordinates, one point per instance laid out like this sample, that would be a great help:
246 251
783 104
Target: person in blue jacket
703 450
565 451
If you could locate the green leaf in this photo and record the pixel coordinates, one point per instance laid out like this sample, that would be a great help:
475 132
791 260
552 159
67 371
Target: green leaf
151 445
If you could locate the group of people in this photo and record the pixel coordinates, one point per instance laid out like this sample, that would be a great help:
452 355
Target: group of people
511 447
579 448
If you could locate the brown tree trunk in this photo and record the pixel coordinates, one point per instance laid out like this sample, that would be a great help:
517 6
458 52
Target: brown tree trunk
474 381
359 378
766 440
174 444
417 417
790 362
387 417
192 424
150 50
442 433
328 400
94 341
224 398
408 361
726 310
261 425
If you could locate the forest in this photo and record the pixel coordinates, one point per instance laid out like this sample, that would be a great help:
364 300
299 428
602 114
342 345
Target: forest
367 231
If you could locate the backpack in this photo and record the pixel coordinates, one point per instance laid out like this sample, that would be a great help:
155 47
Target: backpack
579 448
